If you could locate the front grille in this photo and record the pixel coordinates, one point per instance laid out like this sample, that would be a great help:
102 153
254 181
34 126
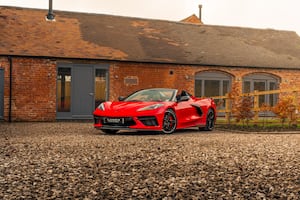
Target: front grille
149 121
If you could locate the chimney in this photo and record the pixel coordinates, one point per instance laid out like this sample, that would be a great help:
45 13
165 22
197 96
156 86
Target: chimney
50 16
200 12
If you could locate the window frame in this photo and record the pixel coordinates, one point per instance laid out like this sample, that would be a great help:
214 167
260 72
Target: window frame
268 80
212 76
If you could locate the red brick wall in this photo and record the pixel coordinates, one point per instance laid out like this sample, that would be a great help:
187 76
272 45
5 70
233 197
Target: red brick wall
33 89
148 75
34 82
159 75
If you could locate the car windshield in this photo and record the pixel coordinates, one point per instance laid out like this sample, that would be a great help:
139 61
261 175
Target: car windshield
159 95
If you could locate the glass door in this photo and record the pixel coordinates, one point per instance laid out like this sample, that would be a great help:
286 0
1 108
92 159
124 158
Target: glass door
260 85
80 88
100 86
63 93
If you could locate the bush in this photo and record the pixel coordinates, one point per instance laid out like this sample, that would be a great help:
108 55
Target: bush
285 110
243 109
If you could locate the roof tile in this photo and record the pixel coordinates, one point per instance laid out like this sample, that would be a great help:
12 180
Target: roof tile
26 32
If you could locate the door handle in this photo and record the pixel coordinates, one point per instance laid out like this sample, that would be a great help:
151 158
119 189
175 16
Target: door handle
91 94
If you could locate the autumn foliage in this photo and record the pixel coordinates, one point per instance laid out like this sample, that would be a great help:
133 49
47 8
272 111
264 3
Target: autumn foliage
243 111
285 110
242 108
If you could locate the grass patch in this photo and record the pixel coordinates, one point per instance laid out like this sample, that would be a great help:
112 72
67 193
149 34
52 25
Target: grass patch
262 125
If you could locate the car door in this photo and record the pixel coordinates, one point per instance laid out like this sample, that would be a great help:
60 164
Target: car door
186 113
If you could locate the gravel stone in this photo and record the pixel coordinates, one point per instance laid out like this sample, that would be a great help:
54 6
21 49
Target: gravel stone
72 160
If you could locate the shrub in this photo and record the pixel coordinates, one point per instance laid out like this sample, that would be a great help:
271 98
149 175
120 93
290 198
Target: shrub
285 110
234 96
243 109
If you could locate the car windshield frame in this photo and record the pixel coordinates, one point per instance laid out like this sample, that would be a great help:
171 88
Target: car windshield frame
152 95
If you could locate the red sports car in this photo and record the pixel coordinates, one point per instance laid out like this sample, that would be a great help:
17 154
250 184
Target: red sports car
157 109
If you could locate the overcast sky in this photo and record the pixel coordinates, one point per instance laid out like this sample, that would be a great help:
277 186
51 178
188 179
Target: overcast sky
275 14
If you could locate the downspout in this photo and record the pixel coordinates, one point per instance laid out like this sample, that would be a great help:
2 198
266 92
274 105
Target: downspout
10 88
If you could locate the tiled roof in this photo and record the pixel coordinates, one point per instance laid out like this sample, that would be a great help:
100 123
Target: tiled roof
25 32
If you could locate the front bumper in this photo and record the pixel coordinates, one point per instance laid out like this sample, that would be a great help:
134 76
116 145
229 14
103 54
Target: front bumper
127 123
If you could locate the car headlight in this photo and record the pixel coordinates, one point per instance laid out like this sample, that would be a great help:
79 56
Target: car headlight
101 106
151 107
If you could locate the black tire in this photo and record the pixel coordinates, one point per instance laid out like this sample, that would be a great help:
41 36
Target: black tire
169 122
210 121
109 131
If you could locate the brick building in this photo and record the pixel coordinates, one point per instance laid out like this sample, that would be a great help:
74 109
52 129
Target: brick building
62 69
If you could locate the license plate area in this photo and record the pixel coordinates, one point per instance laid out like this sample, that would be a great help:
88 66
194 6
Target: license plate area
109 120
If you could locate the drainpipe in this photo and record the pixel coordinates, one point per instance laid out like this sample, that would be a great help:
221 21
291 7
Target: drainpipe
10 88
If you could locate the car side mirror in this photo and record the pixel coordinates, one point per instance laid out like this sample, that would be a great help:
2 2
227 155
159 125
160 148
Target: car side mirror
184 98
121 98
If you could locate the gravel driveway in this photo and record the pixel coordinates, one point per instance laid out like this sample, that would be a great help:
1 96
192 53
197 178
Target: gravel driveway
67 160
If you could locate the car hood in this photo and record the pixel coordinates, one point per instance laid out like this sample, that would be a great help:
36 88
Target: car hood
126 106
121 108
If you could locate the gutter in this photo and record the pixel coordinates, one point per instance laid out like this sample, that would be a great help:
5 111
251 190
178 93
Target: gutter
10 88
153 62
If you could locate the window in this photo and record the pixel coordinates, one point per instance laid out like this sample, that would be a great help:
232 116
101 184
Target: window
100 86
211 84
64 90
262 82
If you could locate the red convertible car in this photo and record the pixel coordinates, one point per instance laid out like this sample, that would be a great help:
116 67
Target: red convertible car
157 109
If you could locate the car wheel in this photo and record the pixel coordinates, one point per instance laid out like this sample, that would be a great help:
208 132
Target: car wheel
169 122
210 121
109 131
